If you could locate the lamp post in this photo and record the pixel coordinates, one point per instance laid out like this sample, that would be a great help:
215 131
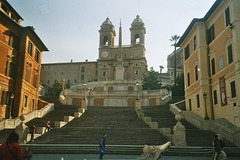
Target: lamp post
84 90
137 84
11 102
205 97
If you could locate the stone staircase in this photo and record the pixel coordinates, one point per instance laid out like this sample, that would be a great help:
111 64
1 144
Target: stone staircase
166 119
121 124
51 99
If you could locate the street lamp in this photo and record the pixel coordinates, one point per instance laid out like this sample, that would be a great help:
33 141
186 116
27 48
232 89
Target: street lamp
11 102
205 97
84 90
137 84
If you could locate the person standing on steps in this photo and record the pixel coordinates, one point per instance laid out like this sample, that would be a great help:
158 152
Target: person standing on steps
218 144
102 149
32 132
27 155
48 126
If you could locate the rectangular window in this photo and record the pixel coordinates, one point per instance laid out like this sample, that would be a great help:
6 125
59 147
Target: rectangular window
186 51
37 54
136 72
10 70
30 48
35 80
213 66
211 34
230 56
194 43
190 105
5 98
215 97
188 79
196 73
25 101
104 73
11 42
83 69
198 101
227 16
233 89
32 104
82 77
28 75
220 63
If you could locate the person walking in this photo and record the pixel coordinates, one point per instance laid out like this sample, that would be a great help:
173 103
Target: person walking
102 149
218 144
11 150
27 155
32 132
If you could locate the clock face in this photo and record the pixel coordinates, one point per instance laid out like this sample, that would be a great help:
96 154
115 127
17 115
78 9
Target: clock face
104 54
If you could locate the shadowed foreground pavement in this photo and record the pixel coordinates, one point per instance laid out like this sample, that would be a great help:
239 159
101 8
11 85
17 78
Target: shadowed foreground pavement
112 157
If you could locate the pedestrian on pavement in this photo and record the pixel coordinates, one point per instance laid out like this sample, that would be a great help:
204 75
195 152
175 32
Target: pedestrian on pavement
218 144
11 150
27 155
102 149
48 126
32 132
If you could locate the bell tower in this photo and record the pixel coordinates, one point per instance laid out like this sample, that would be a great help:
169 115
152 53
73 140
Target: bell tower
107 34
138 32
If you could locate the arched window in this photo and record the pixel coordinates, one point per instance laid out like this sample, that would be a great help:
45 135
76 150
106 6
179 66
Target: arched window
137 39
105 41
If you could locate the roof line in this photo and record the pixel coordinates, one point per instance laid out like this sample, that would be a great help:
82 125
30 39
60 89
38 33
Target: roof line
195 20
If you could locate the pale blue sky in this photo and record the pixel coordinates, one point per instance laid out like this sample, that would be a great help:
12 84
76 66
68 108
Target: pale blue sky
69 28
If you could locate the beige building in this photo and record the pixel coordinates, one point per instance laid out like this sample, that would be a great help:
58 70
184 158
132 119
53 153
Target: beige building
211 47
73 72
132 59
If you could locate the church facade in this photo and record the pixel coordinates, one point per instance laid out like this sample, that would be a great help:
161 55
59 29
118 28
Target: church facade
131 57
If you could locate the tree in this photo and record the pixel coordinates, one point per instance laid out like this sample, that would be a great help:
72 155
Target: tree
174 39
57 88
178 89
161 68
151 80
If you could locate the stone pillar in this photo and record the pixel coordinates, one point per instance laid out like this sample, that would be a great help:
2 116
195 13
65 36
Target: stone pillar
137 104
22 131
138 109
84 104
179 133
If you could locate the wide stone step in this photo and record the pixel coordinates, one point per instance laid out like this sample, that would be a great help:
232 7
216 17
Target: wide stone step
123 149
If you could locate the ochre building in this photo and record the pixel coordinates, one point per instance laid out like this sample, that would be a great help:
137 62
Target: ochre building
211 47
20 64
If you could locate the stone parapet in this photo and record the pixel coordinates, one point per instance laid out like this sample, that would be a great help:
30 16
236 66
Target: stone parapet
221 126
12 123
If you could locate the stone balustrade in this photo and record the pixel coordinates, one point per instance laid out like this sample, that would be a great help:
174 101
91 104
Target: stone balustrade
221 126
12 123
